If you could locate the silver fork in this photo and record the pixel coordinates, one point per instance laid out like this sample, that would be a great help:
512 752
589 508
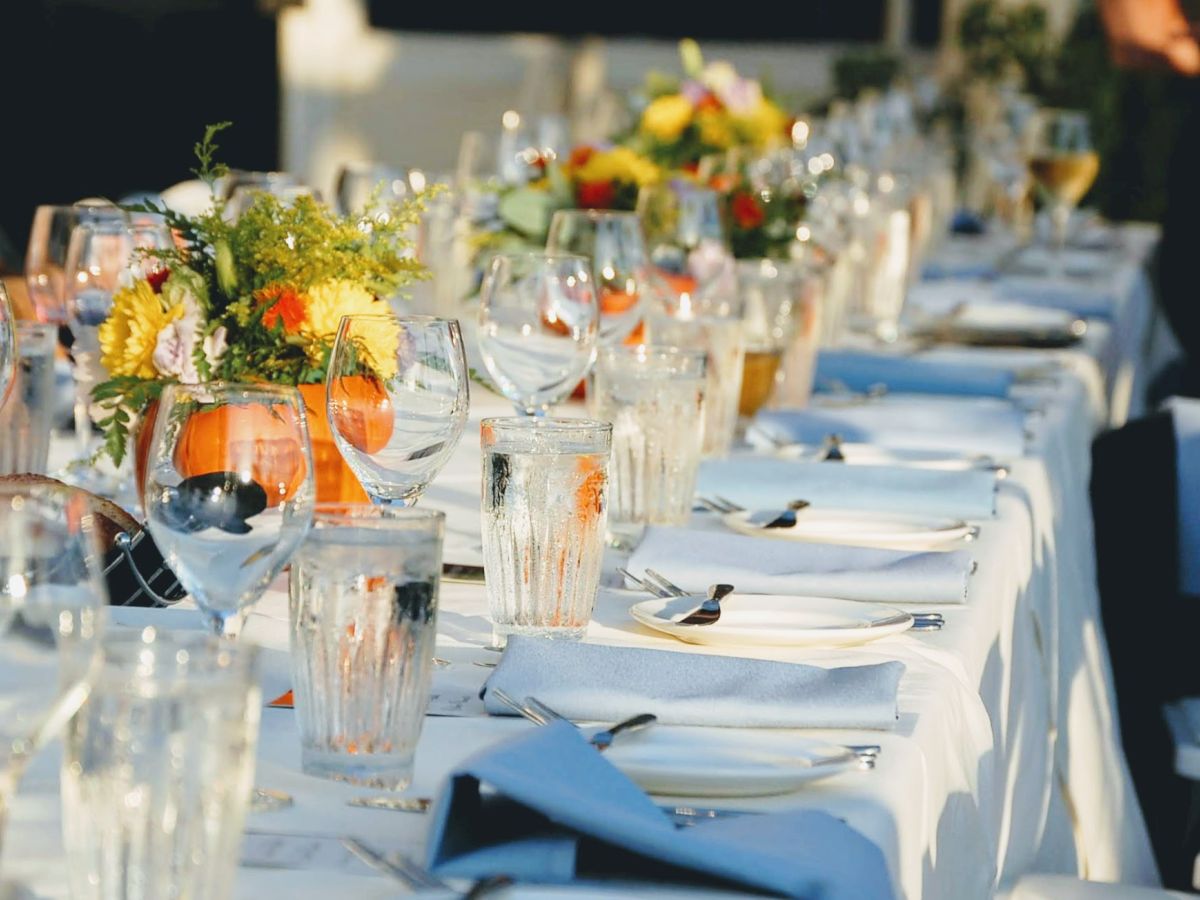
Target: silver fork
665 583
645 585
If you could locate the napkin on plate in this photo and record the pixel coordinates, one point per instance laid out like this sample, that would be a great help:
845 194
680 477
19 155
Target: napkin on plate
694 559
764 482
558 811
861 371
908 421
603 683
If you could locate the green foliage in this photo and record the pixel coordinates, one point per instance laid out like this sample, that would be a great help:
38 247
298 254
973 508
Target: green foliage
857 70
1001 40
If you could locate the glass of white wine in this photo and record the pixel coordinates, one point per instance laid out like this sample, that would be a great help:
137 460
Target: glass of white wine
1063 165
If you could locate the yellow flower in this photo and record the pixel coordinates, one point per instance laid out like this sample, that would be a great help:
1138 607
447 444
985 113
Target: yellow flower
764 124
716 130
329 301
618 164
667 116
130 333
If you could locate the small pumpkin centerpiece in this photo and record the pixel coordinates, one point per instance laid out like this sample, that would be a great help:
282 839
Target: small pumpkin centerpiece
256 299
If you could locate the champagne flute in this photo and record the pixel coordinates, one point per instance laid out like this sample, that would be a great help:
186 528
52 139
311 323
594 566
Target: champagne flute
51 599
229 491
397 398
538 322
1064 165
8 347
99 257
614 243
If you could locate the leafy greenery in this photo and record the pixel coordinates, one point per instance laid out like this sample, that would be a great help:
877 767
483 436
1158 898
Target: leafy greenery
855 71
1000 41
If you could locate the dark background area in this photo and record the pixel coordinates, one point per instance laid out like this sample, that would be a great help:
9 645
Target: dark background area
107 98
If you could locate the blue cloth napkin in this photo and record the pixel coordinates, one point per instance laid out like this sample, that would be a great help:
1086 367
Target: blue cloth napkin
595 682
986 425
766 482
1090 300
862 371
558 811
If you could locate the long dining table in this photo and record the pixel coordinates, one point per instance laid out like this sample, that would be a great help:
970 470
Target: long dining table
1006 756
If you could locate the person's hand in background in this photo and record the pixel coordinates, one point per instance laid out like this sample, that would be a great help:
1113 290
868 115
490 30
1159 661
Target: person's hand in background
1151 34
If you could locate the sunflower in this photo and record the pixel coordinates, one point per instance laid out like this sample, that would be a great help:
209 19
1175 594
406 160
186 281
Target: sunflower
666 117
129 334
329 301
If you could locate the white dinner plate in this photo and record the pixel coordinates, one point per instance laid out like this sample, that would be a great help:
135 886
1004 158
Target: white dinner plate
874 455
848 526
775 620
724 762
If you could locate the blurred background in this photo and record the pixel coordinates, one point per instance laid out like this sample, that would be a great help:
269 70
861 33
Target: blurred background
311 84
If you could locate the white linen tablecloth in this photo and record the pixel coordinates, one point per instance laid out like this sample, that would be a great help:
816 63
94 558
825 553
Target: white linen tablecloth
1005 759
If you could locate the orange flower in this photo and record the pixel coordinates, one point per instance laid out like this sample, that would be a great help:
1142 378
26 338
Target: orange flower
284 303
580 155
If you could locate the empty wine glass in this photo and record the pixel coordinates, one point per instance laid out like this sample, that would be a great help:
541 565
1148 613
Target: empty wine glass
538 321
46 255
1063 164
51 597
8 346
397 399
229 491
613 242
99 257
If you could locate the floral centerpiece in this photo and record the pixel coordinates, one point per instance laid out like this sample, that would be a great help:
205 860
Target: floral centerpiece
762 213
256 299
711 110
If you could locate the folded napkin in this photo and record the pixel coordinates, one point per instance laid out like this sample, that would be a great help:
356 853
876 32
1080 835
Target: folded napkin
764 482
908 421
694 559
1090 299
861 371
558 811
602 683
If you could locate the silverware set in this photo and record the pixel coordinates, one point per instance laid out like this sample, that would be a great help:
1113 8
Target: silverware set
412 875
709 611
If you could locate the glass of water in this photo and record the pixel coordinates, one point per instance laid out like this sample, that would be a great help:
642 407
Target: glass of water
538 320
157 767
27 416
363 601
654 398
545 500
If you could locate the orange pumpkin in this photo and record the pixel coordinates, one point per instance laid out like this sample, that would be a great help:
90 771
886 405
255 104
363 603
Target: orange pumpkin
230 438
336 483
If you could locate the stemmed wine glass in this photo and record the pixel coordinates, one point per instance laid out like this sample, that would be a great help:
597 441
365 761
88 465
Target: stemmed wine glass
229 491
1064 165
46 255
397 398
51 596
357 182
99 256
538 323
689 250
613 242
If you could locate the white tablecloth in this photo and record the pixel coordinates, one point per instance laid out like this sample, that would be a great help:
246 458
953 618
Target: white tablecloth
1006 758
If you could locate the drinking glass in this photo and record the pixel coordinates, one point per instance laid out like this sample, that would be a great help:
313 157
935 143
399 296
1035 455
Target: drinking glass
397 399
717 330
538 320
27 416
686 239
1064 165
654 398
46 255
545 497
363 611
358 182
52 595
768 326
229 491
613 242
244 195
99 257
157 767
797 369
8 349
268 181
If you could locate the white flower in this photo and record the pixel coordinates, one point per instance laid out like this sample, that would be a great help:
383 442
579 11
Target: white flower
173 350
215 346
